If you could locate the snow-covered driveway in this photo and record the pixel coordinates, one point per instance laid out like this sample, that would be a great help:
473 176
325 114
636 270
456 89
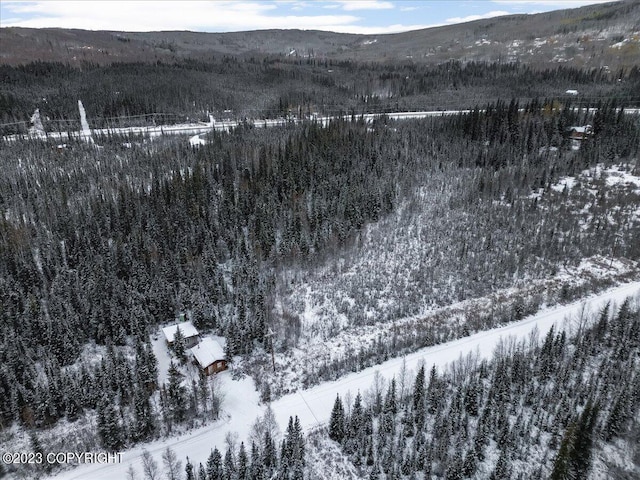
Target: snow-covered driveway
313 406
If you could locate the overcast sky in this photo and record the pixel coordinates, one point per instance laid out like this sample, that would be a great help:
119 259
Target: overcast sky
352 16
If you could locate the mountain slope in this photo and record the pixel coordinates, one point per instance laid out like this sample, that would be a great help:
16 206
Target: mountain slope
592 36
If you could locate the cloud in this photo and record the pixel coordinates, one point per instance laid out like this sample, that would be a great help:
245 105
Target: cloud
148 16
350 5
471 18
557 4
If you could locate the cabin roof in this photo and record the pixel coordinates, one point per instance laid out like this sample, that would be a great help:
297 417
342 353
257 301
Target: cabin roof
581 129
187 329
207 352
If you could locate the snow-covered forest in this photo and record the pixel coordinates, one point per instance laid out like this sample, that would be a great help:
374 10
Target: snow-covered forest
318 250
547 409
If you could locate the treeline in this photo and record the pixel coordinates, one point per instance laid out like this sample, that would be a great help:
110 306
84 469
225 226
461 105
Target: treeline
259 87
527 413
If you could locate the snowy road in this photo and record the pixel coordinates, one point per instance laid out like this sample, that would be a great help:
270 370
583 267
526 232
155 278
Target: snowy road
226 125
221 126
313 406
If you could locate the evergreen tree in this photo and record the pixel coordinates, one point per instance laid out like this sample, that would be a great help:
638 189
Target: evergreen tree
357 419
617 417
179 345
176 395
188 469
337 421
562 462
144 424
214 465
419 408
243 463
131 473
229 465
256 467
583 440
433 391
109 428
390 401
269 454
36 447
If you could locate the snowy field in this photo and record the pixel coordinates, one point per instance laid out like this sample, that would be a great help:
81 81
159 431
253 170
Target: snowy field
313 406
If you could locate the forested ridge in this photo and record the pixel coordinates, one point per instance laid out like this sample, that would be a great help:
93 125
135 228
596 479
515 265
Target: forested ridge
100 246
259 87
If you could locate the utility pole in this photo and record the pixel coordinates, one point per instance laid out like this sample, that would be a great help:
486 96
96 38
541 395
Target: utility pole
270 336
613 248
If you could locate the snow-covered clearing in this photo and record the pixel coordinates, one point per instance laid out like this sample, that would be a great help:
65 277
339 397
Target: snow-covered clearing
319 347
313 406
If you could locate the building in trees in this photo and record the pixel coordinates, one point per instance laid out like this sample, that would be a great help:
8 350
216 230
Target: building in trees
185 331
209 356
580 132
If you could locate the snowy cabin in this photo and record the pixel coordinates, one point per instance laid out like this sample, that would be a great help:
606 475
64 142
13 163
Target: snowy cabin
209 356
580 133
189 332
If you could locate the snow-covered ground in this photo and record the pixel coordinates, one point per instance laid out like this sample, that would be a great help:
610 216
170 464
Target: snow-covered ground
313 406
379 288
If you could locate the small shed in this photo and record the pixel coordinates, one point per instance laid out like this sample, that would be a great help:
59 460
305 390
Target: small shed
209 356
189 332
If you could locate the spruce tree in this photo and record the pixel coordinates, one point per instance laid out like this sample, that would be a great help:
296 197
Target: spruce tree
337 421
179 345
144 424
419 409
390 401
188 470
269 454
583 440
176 395
229 465
357 420
433 391
243 463
109 428
214 465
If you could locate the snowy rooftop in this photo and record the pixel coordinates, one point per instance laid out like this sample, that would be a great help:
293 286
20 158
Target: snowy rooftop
207 352
187 329
582 129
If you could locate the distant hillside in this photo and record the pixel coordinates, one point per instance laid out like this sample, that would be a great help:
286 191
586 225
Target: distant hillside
593 36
